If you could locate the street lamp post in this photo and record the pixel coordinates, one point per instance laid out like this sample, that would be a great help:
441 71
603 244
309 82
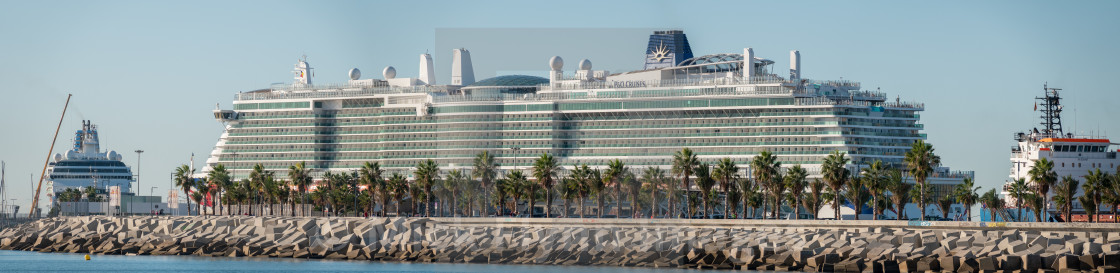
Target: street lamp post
138 152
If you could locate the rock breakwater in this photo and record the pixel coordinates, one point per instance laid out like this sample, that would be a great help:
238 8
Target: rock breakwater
678 244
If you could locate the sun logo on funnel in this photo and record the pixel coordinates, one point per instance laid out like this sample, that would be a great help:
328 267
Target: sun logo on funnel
661 52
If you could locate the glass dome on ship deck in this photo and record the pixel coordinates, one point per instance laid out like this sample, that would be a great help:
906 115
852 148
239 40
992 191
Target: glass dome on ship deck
722 62
518 84
510 80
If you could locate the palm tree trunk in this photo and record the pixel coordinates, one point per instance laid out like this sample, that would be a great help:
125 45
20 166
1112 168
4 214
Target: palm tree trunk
744 215
582 208
669 196
548 203
599 203
428 205
384 207
633 206
1019 209
707 206
836 204
922 199
454 203
653 204
797 208
188 202
726 204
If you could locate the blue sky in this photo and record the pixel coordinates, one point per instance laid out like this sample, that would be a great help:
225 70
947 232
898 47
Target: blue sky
149 73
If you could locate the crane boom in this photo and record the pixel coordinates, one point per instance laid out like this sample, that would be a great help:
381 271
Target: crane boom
35 200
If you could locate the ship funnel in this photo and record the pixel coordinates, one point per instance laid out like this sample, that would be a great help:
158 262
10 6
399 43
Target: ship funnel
794 65
427 72
748 64
462 71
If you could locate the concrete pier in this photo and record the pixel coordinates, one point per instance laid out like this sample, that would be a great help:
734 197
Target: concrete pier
781 245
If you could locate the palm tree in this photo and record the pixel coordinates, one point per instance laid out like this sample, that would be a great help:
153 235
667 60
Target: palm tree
236 195
991 200
370 176
1017 189
944 204
220 180
966 195
300 177
1094 187
470 192
875 180
856 193
197 197
1064 196
920 161
766 168
271 192
754 199
633 189
257 179
705 182
1035 203
919 195
485 170
1087 202
684 162
1112 193
813 201
569 190
581 177
427 172
726 172
747 190
516 185
900 192
184 181
654 177
544 170
384 194
500 196
614 173
835 173
1043 176
795 181
398 188
454 184
417 193
597 185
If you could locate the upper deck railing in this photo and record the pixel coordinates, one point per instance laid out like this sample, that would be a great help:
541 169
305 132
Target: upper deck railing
335 90
724 86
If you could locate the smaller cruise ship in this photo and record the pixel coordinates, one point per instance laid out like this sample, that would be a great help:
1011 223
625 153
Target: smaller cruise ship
1072 155
85 165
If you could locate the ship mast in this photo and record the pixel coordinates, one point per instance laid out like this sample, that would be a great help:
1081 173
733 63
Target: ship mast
35 199
1051 112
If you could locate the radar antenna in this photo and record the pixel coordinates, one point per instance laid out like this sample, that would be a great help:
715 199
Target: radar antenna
1051 111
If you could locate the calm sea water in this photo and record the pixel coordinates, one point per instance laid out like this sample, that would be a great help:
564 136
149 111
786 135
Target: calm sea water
23 261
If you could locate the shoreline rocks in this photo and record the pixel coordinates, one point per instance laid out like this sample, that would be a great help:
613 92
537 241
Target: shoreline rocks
780 247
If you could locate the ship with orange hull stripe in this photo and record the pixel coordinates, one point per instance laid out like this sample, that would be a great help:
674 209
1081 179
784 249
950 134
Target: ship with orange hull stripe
1071 155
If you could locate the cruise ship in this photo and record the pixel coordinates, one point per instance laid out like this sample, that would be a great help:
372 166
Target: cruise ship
732 105
1072 155
85 165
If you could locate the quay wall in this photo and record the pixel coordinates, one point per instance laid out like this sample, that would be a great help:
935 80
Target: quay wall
781 245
